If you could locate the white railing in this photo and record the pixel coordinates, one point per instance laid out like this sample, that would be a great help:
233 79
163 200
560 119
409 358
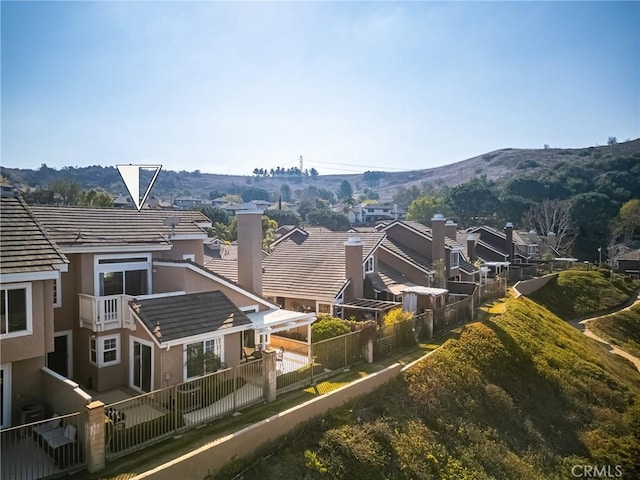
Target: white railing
105 313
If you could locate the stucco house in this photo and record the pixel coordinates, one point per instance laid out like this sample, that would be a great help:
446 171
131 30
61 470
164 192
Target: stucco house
122 265
30 269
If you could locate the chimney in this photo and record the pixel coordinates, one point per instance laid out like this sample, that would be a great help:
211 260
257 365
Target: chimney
250 250
450 229
533 236
472 238
353 268
508 230
551 239
437 238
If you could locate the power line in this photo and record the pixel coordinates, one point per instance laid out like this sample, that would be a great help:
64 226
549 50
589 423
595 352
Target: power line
356 165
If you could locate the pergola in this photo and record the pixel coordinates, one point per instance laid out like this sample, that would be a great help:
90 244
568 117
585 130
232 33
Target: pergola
370 307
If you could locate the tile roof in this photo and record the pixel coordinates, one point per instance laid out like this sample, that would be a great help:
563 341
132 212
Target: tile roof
183 316
409 255
312 266
86 226
426 231
226 268
24 244
387 278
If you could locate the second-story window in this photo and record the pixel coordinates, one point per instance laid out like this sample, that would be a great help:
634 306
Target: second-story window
116 275
455 260
368 266
15 310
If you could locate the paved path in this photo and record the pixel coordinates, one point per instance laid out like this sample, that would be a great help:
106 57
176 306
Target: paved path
583 326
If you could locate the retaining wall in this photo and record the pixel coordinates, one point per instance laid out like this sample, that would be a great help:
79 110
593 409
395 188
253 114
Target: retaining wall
209 458
527 287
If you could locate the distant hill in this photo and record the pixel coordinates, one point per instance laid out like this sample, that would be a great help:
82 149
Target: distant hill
499 165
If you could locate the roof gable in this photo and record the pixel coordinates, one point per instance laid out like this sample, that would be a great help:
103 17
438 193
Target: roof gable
182 316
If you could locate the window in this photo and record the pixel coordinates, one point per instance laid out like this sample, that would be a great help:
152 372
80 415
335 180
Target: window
116 275
455 260
105 351
324 308
203 357
15 310
368 266
57 293
93 351
189 256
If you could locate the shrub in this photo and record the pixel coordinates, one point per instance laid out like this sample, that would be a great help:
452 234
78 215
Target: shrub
328 327
395 316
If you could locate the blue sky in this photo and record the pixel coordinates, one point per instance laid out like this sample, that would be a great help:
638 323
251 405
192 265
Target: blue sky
227 87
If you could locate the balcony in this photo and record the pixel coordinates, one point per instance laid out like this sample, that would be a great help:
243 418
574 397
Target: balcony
100 314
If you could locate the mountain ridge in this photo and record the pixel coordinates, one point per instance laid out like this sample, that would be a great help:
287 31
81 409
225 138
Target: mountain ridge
497 165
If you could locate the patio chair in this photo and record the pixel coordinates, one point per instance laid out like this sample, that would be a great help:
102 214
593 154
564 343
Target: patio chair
280 354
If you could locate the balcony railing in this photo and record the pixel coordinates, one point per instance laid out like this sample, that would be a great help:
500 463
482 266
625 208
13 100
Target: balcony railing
105 313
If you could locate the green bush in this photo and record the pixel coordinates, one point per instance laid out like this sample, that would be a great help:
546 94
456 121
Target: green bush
328 327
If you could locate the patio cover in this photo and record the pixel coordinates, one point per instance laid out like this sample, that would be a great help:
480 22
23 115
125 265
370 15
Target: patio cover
273 321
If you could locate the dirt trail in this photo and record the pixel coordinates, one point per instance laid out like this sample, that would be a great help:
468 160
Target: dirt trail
583 326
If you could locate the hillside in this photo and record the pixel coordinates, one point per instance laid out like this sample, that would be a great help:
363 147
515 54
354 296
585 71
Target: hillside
576 293
522 396
621 329
500 165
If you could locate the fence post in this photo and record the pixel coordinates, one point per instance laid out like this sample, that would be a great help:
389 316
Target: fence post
94 436
368 351
235 389
344 338
428 323
269 380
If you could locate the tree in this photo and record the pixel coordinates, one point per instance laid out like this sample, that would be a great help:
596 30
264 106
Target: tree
627 222
221 231
474 201
403 197
553 216
612 141
592 213
216 215
285 192
422 209
255 193
269 228
95 198
337 222
283 217
345 193
67 190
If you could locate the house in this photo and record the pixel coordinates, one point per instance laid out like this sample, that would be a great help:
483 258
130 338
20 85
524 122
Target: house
129 276
187 202
628 263
370 213
30 269
419 246
157 202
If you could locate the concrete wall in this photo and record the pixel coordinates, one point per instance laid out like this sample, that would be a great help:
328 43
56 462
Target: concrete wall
25 385
211 457
527 287
232 351
62 395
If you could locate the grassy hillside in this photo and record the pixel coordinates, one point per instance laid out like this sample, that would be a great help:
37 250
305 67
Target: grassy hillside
577 293
521 396
621 329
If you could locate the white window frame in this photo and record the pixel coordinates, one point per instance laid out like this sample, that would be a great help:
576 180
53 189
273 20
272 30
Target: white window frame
189 256
369 265
249 309
122 266
204 345
29 309
100 350
57 293
454 254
